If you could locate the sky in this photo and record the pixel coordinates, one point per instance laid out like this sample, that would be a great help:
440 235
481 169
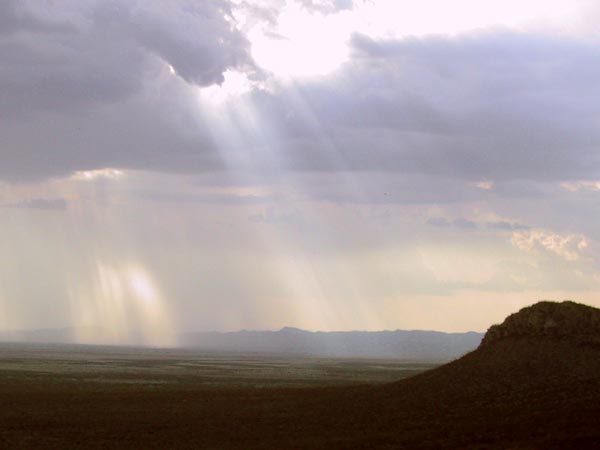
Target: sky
324 164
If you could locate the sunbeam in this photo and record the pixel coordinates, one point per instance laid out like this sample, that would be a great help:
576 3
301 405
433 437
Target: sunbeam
121 305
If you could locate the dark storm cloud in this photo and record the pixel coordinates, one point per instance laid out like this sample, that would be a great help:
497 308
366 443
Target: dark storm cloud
195 38
136 135
435 114
15 17
109 50
494 105
94 95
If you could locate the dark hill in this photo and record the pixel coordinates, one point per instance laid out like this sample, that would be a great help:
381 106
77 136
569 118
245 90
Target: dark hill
533 383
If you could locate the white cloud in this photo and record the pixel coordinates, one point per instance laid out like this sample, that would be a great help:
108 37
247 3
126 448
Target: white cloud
576 186
89 175
567 246
486 185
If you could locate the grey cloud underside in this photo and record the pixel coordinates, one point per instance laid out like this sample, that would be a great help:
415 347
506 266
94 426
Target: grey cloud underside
195 198
13 17
110 50
52 204
136 135
496 105
435 113
93 89
467 224
195 38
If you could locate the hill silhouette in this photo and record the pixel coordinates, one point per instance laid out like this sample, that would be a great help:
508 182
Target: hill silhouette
534 382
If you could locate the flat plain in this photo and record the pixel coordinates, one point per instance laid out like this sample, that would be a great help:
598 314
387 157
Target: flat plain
74 396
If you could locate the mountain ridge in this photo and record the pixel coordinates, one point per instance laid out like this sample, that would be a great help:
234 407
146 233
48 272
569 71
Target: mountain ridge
386 344
396 344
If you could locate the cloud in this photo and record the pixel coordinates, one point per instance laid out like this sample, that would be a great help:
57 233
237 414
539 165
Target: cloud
460 222
413 120
575 186
439 222
271 216
467 224
567 246
477 106
51 204
109 50
486 185
14 16
195 38
91 175
327 6
204 198
505 225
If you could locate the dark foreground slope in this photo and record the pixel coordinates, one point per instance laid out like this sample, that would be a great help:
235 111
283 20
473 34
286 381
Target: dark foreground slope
534 383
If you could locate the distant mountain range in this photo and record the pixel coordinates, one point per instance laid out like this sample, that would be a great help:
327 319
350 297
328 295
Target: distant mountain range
399 344
46 335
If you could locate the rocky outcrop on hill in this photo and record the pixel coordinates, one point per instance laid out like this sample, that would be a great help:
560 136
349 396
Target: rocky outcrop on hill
563 320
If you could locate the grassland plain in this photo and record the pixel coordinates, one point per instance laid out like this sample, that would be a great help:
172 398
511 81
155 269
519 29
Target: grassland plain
534 383
72 396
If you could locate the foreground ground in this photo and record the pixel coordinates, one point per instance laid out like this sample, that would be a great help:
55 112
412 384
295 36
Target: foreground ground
107 397
517 394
